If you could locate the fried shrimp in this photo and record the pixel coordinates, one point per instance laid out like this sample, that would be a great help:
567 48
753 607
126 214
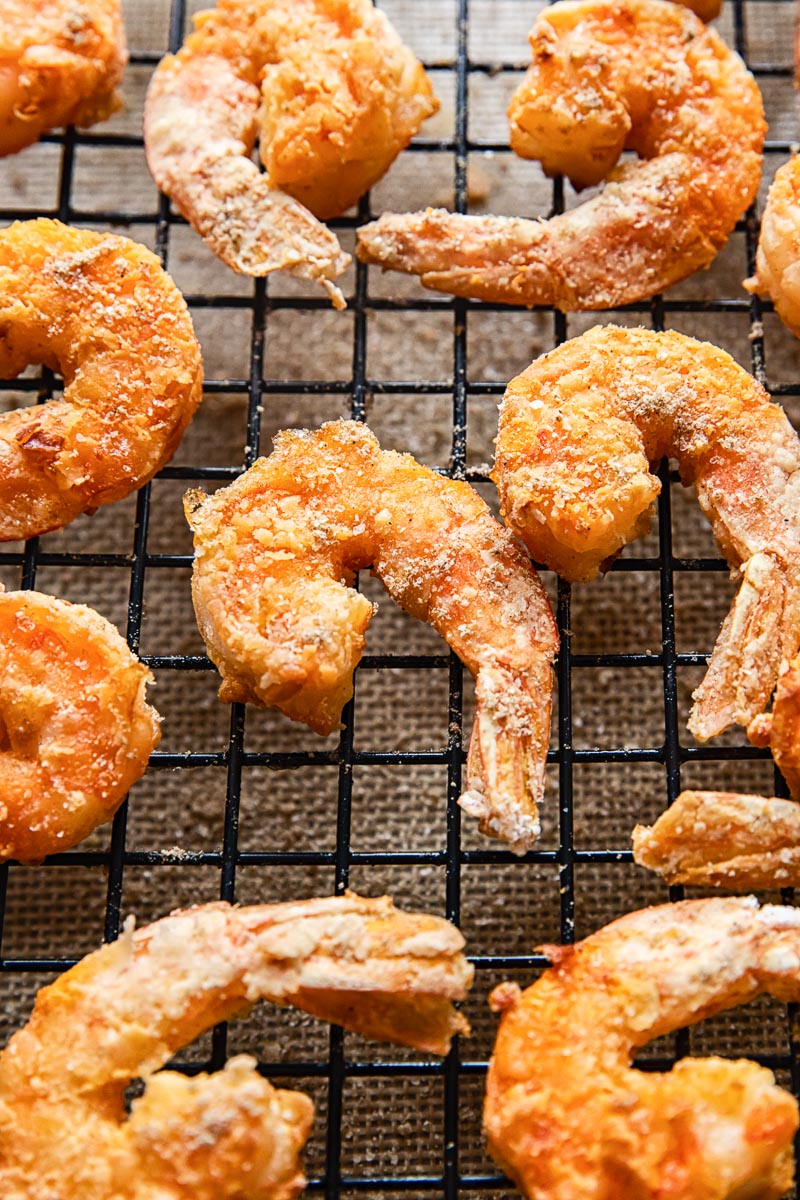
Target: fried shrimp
276 553
778 256
566 1116
335 96
579 431
723 839
123 1011
101 310
60 63
607 75
75 731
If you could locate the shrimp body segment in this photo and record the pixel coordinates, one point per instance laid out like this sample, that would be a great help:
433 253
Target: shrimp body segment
101 310
579 432
607 75
276 553
723 839
566 1116
778 256
60 63
75 731
332 92
123 1011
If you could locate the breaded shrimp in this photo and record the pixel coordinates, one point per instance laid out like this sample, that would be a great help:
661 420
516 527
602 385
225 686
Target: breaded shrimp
60 63
566 1116
607 75
123 1011
75 731
100 310
579 431
276 553
335 97
778 256
723 839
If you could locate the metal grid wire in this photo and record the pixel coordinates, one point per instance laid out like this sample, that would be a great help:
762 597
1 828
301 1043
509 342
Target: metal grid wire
669 754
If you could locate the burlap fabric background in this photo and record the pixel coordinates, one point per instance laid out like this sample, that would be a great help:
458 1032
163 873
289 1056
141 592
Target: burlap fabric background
391 1126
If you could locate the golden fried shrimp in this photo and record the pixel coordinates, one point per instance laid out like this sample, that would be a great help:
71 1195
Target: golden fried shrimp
276 553
607 75
579 431
723 839
332 92
778 256
100 310
566 1116
60 63
75 731
123 1011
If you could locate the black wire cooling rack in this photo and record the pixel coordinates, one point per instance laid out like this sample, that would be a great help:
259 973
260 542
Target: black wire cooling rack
256 384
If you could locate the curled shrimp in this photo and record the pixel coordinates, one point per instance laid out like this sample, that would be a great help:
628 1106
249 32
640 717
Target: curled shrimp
101 310
335 96
60 63
567 1117
723 839
75 731
579 430
778 256
276 553
124 1010
607 75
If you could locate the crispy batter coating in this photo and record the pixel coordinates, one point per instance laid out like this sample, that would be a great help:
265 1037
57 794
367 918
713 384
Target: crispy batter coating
101 310
123 1011
334 96
568 1118
75 731
778 256
276 553
607 75
579 431
60 63
723 839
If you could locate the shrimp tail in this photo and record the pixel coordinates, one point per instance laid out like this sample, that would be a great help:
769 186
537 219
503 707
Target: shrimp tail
203 165
257 229
508 753
741 672
505 259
